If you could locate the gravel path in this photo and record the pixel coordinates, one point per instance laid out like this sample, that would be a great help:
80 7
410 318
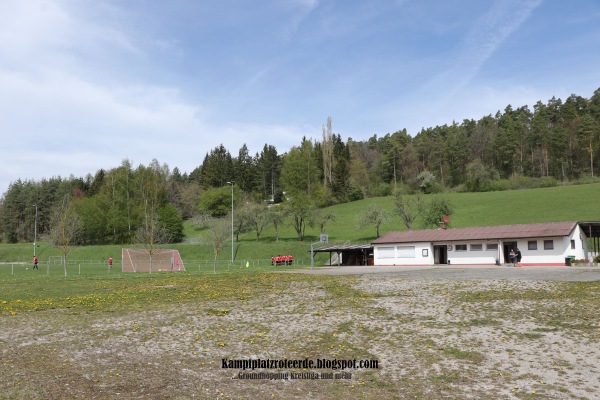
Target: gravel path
561 274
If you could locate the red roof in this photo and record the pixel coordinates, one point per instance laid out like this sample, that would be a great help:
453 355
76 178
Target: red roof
521 231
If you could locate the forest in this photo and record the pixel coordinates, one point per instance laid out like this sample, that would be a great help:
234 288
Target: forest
555 143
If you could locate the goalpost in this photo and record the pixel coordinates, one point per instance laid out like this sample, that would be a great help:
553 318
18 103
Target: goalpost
140 260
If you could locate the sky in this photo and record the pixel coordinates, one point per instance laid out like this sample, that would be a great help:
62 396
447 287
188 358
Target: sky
86 84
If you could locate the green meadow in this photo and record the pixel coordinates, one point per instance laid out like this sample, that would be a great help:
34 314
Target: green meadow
563 203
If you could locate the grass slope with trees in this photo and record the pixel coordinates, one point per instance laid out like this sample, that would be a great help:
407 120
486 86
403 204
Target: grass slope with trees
564 203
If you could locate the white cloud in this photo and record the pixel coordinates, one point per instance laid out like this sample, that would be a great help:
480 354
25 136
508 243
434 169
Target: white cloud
61 116
84 85
66 126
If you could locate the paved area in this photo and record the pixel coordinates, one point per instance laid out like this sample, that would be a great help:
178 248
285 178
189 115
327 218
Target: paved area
572 274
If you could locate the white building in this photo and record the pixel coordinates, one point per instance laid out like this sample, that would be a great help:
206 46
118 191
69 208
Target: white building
540 244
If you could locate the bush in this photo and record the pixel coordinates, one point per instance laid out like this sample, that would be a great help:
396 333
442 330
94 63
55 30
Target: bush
426 181
404 189
587 179
381 190
501 185
355 192
547 182
437 188
480 177
523 182
597 258
461 188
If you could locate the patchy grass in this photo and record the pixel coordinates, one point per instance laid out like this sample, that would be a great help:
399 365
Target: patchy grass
165 335
472 356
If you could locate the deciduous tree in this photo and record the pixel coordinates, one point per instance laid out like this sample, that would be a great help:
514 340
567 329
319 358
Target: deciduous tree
64 228
220 232
409 208
439 207
374 216
300 208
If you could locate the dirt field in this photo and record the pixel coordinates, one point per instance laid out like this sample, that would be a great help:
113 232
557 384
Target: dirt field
434 336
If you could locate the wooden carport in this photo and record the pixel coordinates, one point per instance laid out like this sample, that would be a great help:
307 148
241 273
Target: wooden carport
592 231
349 254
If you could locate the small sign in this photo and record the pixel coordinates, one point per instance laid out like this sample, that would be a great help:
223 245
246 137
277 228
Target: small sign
324 238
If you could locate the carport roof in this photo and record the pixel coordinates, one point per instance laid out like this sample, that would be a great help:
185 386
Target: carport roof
591 229
343 248
520 231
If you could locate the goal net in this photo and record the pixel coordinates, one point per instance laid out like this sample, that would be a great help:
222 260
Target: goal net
140 260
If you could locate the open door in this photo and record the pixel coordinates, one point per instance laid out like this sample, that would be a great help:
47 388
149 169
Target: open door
507 247
440 254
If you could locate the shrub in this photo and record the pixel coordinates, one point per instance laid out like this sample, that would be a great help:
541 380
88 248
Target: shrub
355 192
461 188
523 182
587 179
547 182
426 181
501 185
381 190
480 177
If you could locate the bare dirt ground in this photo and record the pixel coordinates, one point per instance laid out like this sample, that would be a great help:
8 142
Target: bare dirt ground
437 335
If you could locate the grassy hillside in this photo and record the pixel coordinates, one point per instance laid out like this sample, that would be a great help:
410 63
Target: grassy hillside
566 203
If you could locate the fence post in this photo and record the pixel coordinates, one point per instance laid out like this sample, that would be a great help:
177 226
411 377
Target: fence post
12 266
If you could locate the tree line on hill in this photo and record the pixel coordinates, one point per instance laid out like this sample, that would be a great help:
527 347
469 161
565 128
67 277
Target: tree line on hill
555 142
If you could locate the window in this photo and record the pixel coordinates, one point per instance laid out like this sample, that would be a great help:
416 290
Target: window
491 246
532 245
548 244
476 247
406 251
461 247
572 244
386 252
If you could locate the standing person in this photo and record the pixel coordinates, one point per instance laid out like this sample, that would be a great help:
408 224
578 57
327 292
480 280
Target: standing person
110 260
512 256
35 263
518 257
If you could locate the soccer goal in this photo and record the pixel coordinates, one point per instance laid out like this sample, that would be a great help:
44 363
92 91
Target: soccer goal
141 260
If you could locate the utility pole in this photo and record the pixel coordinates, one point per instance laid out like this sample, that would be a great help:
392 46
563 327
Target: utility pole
231 183
35 231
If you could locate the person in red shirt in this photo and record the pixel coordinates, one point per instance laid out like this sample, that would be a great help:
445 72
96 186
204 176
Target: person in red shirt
35 263
110 262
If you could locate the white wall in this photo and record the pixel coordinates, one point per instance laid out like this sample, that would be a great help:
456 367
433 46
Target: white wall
396 254
403 254
472 255
556 256
422 253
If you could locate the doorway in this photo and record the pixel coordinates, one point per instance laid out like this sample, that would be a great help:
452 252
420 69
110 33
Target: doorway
440 254
508 246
